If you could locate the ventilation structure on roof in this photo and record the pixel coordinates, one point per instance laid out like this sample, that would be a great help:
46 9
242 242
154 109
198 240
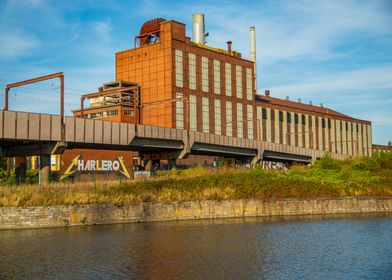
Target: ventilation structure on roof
149 32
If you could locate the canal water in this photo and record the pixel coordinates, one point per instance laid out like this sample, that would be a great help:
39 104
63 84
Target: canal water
316 247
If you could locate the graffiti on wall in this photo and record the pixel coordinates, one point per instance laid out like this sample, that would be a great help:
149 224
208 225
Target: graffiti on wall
274 165
91 165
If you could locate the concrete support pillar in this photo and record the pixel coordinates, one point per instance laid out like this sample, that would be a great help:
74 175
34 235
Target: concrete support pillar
171 164
44 170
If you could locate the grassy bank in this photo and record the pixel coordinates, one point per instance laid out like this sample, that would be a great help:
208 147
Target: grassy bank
327 178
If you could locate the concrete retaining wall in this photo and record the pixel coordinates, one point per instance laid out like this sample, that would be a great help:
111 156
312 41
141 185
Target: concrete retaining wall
58 216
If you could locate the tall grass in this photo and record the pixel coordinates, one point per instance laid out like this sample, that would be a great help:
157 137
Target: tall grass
326 178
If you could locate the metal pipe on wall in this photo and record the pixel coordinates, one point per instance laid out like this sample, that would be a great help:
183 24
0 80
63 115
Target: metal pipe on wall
253 53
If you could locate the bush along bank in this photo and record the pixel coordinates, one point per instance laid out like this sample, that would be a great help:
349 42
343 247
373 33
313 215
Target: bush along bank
327 178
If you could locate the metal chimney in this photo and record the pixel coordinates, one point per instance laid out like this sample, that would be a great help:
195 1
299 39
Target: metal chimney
198 32
253 53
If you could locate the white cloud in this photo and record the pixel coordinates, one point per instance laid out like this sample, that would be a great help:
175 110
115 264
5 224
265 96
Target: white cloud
16 44
102 29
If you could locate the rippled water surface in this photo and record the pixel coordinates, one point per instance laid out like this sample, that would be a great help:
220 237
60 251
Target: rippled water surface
343 247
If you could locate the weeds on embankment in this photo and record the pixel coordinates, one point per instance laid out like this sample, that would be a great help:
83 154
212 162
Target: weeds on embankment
326 178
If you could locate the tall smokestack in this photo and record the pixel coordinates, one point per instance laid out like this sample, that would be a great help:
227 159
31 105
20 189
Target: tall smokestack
253 53
198 32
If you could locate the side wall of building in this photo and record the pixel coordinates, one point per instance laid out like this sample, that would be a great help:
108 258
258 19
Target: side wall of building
313 130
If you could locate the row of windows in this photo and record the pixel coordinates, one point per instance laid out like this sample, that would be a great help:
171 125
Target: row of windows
217 116
179 75
305 119
339 136
104 114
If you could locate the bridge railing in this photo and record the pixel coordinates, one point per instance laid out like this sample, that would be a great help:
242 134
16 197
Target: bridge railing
29 126
90 131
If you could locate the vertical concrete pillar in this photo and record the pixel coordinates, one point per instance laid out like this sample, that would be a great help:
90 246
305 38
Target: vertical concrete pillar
314 132
360 143
320 134
259 118
326 132
44 170
300 134
284 130
349 140
268 125
369 140
171 164
344 137
355 139
292 129
339 136
277 130
307 131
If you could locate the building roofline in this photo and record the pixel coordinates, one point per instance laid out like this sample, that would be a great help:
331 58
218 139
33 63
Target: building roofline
304 107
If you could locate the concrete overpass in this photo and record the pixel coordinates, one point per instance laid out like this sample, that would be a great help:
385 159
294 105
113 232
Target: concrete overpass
27 134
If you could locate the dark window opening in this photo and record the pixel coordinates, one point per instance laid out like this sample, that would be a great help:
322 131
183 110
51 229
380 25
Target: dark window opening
329 124
323 123
288 117
280 116
264 113
303 119
296 118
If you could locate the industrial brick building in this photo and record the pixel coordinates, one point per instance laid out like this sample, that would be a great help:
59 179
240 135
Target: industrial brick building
169 80
312 127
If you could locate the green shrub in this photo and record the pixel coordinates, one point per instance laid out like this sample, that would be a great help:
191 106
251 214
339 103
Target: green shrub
366 164
327 163
32 176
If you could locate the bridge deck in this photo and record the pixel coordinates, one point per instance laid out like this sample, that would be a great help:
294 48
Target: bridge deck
22 128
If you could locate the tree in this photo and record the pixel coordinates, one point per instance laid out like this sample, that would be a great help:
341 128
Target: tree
389 143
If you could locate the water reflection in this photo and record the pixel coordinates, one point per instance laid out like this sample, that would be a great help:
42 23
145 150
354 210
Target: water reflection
312 247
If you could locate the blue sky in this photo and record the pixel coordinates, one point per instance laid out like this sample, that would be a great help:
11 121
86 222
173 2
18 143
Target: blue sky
338 53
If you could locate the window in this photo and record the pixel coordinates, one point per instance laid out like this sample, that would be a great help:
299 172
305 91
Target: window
250 121
280 116
249 84
228 78
288 117
179 68
204 74
296 118
179 112
192 71
217 85
206 115
238 81
264 113
323 123
329 123
346 126
95 115
192 113
303 119
229 119
217 113
128 112
240 124
111 113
